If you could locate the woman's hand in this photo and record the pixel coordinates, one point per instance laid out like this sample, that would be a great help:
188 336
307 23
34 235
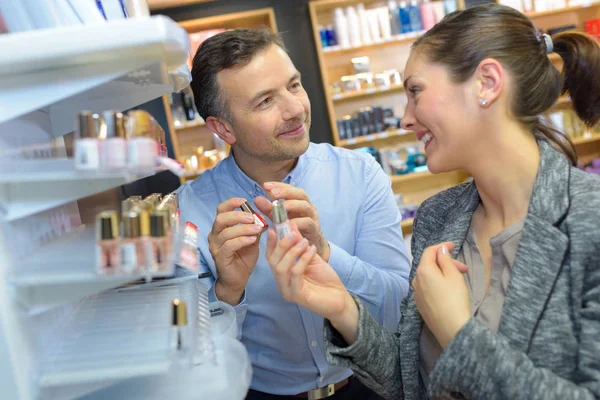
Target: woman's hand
305 279
441 293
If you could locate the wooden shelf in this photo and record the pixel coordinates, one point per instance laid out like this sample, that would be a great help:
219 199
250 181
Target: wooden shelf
406 178
561 10
190 125
162 4
407 226
399 39
586 139
338 97
374 137
245 19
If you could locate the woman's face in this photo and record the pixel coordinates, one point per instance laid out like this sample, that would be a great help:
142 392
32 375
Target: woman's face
442 113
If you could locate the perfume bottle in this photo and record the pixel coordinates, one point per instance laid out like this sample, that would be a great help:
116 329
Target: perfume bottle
178 324
85 143
113 146
188 256
107 243
280 218
132 249
161 246
142 147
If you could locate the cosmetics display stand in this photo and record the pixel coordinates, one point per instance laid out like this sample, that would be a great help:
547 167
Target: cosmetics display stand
67 332
338 63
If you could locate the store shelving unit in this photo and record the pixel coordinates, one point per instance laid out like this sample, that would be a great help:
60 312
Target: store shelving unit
336 62
65 331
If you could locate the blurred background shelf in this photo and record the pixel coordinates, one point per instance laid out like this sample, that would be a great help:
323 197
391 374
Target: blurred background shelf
338 97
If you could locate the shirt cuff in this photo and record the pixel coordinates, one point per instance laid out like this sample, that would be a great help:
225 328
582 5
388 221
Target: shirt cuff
341 262
240 309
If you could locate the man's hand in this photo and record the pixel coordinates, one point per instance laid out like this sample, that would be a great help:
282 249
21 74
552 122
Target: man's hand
233 244
300 210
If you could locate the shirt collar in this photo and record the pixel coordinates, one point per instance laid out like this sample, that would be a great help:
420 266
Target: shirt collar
252 188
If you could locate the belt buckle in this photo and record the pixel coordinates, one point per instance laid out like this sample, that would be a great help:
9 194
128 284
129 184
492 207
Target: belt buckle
321 393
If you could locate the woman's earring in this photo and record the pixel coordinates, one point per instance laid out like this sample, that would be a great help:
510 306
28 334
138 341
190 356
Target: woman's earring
483 102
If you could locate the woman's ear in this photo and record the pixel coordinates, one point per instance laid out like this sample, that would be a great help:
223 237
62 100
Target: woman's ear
222 129
490 75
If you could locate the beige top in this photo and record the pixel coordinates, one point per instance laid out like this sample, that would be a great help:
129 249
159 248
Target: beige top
485 306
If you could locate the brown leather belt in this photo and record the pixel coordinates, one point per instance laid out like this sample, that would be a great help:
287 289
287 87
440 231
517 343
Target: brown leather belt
324 392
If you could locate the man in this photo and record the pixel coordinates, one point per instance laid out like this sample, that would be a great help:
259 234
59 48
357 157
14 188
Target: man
250 94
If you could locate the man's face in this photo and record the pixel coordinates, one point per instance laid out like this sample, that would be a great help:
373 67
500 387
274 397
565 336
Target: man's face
269 107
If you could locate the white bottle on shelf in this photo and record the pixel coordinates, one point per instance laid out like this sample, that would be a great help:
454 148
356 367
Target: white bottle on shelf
363 20
385 26
341 28
354 27
374 25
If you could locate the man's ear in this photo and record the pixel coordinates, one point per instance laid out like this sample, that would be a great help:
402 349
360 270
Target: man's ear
222 129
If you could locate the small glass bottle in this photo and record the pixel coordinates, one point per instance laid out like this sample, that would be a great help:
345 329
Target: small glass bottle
113 147
85 143
179 323
107 243
142 147
132 248
161 246
280 218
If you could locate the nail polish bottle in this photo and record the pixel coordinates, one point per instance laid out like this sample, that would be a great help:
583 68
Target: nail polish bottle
113 147
85 143
161 247
178 324
142 147
132 249
280 218
107 243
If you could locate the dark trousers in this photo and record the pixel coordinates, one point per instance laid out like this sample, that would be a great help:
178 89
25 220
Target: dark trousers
354 390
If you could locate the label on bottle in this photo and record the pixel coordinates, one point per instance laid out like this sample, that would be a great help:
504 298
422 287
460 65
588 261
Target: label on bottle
283 230
113 153
128 257
142 153
86 154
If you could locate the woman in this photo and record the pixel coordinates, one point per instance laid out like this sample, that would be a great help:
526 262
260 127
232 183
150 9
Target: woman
517 314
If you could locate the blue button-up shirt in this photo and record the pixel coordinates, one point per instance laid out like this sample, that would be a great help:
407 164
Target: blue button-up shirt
361 221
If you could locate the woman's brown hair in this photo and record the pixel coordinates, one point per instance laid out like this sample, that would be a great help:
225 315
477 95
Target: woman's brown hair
464 38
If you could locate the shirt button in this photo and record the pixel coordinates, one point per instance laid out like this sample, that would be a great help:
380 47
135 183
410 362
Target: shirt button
313 343
321 379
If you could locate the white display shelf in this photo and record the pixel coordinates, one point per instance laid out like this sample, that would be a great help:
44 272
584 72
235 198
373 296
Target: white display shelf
116 65
63 271
228 379
111 337
31 186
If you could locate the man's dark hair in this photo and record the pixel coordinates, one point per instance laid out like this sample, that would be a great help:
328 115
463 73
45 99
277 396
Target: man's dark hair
230 49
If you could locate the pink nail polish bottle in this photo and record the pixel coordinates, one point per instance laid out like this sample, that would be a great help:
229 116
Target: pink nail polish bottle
161 246
142 146
113 148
